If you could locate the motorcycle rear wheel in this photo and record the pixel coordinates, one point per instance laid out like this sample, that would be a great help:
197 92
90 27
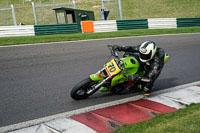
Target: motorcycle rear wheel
80 90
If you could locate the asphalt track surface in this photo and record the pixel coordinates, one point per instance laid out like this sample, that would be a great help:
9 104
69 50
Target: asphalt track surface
35 80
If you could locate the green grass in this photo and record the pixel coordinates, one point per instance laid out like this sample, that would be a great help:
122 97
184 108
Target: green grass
80 36
182 121
132 9
136 9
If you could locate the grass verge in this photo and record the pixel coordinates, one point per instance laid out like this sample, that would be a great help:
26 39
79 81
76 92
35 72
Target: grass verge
182 121
4 41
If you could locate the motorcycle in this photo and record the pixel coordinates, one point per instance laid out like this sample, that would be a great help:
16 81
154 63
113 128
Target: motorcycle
114 76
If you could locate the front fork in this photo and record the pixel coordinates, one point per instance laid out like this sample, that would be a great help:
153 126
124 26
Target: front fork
98 77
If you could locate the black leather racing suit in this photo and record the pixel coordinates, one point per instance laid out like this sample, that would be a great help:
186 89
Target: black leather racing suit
152 68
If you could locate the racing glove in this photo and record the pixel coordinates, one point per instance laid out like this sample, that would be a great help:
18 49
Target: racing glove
146 79
116 47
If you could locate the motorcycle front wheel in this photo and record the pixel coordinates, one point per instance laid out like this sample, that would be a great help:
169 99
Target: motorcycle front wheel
83 89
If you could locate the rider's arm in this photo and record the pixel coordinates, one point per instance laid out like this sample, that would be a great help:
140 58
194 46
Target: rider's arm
157 64
129 48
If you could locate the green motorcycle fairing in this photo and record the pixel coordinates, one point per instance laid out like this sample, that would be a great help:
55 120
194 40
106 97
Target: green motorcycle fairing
131 65
96 77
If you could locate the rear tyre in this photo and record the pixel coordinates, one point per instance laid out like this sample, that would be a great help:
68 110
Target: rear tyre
83 89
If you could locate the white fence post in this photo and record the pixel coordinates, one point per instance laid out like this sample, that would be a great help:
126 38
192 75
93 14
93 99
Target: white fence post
13 14
74 4
34 13
102 10
120 9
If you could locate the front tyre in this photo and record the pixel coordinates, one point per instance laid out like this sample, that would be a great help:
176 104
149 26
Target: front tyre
83 89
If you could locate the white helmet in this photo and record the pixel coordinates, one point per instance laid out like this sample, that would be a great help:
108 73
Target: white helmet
147 51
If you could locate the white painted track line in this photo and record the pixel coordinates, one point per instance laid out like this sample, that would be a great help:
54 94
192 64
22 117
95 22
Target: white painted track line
35 44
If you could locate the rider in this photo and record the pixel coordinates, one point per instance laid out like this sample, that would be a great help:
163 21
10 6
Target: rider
151 60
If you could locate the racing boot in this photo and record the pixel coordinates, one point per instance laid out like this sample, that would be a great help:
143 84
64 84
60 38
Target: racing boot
146 91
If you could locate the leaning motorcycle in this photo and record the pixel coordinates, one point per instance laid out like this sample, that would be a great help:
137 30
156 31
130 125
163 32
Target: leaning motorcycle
114 76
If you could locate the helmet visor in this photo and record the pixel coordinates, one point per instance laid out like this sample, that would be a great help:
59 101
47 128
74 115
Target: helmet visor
145 56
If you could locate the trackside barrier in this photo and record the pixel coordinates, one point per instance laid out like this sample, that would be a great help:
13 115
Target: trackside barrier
7 31
132 24
188 22
56 29
87 26
98 26
105 26
162 23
